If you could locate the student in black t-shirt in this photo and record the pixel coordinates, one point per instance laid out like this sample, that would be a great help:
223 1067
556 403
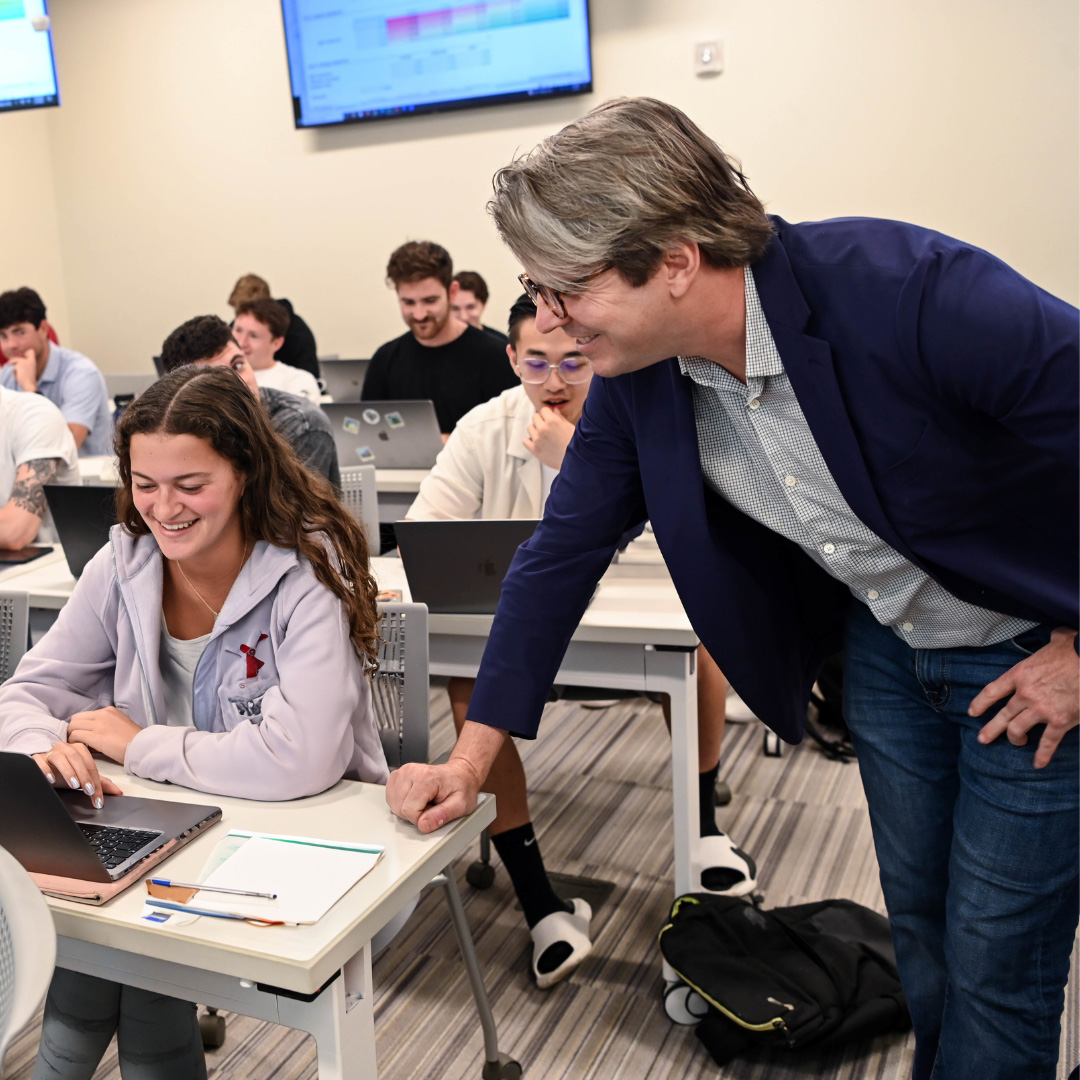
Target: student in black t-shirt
440 358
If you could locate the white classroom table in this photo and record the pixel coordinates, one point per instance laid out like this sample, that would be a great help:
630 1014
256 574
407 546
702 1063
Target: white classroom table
396 488
239 967
634 636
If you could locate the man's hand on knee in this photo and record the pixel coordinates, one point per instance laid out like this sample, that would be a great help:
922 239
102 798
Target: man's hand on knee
431 795
1044 690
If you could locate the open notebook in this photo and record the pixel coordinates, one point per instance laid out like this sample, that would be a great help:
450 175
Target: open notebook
309 876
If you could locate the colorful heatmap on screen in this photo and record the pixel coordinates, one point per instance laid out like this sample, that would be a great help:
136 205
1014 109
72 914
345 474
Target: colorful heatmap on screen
369 59
27 67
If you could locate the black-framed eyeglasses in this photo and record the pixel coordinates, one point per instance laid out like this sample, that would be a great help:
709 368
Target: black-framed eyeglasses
551 297
571 369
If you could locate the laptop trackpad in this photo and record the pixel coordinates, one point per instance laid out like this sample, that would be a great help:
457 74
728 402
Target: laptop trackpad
118 809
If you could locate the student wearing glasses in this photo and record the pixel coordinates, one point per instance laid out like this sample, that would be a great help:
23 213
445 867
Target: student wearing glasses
500 462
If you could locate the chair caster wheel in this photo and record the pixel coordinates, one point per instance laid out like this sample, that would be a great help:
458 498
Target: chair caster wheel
480 875
683 1005
505 1068
773 746
212 1030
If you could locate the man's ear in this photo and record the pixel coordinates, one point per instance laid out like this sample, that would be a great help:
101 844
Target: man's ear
455 288
512 355
276 343
680 265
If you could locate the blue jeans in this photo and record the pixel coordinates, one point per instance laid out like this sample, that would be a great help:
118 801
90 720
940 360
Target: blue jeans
977 852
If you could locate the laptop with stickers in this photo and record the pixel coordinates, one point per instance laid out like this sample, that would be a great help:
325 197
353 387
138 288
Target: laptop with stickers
386 434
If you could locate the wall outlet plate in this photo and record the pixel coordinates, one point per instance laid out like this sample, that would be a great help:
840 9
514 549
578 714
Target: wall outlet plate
709 57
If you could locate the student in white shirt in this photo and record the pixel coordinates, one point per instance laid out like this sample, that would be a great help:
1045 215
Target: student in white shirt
500 462
260 329
36 448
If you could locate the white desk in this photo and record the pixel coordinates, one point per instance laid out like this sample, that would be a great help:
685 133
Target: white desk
235 966
634 636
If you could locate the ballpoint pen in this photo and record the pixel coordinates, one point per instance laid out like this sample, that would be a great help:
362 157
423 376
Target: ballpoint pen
168 905
210 888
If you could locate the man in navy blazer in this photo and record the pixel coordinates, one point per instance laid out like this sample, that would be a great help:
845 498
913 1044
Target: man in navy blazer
867 435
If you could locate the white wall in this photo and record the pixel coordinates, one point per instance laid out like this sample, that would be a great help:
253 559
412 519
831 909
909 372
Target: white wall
177 167
30 250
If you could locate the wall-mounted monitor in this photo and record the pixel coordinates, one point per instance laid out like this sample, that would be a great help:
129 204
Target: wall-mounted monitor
352 60
27 67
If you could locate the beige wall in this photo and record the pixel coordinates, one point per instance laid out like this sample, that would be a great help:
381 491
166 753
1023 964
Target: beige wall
177 167
30 250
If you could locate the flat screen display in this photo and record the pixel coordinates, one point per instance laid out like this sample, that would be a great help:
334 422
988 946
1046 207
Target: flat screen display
352 60
27 67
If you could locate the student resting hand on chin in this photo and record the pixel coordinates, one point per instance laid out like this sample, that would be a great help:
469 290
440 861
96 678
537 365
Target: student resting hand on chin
219 641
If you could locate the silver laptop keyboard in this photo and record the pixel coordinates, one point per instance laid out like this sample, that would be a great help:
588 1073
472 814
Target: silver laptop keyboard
114 845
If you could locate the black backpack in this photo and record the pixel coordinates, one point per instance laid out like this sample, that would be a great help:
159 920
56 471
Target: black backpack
812 975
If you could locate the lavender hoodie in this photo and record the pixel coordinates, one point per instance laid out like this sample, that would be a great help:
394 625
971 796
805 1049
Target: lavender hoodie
288 723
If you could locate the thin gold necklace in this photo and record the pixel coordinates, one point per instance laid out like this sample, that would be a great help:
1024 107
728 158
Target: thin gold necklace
243 559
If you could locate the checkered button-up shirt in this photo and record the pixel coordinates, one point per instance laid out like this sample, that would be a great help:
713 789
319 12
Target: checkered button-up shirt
757 452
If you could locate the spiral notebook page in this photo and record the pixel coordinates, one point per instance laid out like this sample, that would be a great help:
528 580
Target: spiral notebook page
308 879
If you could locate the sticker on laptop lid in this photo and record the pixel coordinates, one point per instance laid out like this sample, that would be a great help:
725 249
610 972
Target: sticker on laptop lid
351 425
371 416
394 420
365 454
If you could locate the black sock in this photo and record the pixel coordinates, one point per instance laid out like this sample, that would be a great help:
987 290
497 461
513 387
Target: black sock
707 801
520 854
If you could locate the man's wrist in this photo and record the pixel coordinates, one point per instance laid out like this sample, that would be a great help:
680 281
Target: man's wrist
476 749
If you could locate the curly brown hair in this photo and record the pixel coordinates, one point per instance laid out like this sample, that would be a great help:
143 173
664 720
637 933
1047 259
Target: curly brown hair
418 260
283 502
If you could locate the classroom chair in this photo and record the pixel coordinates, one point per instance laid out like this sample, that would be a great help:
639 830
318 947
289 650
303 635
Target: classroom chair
401 704
27 949
14 630
360 498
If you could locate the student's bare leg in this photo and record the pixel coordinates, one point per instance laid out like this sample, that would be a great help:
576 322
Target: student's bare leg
506 780
514 840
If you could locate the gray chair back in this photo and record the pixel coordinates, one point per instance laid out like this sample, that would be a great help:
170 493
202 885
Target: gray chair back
14 630
361 499
399 689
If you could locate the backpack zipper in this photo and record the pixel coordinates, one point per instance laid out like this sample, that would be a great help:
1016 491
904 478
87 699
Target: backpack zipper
777 1024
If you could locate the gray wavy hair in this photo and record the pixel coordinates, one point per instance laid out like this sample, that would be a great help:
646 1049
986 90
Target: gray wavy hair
615 189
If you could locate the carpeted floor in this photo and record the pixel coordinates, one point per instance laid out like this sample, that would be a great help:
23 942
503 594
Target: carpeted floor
600 794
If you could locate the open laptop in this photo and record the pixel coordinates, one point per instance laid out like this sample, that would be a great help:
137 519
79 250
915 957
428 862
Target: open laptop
386 434
457 567
343 379
60 834
82 517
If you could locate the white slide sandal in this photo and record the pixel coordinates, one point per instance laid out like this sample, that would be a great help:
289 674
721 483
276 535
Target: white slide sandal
734 872
572 928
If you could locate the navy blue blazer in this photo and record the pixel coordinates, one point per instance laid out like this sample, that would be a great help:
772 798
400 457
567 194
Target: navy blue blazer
940 386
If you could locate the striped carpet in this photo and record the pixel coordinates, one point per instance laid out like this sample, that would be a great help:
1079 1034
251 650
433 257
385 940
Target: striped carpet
600 793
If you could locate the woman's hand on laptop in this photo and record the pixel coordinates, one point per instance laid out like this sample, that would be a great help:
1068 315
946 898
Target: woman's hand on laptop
70 765
108 731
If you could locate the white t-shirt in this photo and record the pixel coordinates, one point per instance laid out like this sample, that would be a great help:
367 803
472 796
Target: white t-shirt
178 660
32 428
290 379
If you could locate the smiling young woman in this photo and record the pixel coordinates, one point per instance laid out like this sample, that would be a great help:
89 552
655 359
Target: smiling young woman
220 640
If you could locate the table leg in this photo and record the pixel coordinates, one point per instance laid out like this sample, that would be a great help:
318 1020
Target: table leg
342 1020
672 672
